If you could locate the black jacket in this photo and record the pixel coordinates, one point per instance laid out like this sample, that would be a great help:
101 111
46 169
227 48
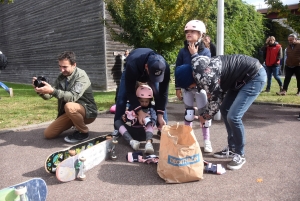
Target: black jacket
135 71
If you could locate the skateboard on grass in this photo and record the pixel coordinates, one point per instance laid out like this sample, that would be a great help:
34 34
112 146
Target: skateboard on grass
32 190
75 166
54 159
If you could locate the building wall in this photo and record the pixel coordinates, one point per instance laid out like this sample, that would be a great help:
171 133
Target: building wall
33 33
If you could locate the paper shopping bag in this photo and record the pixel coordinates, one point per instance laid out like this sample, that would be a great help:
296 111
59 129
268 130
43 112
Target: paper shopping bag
180 157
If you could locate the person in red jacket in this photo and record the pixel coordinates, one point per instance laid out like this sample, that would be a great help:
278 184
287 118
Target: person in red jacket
272 56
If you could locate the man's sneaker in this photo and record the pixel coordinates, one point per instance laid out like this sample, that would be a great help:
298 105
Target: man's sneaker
225 153
149 148
237 162
267 90
281 93
76 137
207 146
135 144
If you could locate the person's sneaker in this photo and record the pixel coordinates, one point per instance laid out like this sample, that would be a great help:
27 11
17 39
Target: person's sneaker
267 90
225 153
149 148
298 93
237 162
207 146
76 137
135 144
281 93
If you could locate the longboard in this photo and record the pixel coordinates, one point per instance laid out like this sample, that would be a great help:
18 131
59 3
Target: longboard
32 190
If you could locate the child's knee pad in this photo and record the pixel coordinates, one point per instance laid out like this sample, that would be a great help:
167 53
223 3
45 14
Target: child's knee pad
207 123
189 114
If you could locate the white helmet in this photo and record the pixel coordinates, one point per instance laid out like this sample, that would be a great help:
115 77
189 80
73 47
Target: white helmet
196 25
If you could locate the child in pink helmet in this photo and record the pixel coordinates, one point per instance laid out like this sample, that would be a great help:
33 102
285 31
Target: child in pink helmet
185 85
130 128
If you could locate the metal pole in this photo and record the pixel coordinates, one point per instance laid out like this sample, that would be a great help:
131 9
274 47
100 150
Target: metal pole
220 28
220 38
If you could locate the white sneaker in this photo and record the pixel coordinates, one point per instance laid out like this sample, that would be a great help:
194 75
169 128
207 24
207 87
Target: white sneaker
135 144
149 148
207 146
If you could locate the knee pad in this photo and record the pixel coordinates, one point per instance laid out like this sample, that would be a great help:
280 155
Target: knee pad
189 114
207 123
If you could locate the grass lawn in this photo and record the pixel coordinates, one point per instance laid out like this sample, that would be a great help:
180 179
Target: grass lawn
26 107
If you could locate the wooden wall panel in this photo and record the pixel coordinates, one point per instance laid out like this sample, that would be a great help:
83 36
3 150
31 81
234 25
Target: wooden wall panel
33 33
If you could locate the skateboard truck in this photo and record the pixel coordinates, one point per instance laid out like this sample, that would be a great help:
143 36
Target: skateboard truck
82 176
21 191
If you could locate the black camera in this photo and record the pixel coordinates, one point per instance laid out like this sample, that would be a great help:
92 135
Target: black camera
38 82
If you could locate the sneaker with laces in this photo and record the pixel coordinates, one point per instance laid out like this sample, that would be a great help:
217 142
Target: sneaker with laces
149 148
76 137
225 153
135 144
207 146
237 162
267 91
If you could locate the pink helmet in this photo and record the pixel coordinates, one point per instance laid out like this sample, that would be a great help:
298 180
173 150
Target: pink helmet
196 25
144 91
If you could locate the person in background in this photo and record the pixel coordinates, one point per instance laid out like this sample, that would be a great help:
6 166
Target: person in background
210 45
3 61
292 64
272 56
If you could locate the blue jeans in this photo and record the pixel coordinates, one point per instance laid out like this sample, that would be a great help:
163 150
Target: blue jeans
275 71
234 106
122 98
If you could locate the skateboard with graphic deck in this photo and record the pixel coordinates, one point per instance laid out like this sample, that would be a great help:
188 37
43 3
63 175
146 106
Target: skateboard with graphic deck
32 190
75 166
54 159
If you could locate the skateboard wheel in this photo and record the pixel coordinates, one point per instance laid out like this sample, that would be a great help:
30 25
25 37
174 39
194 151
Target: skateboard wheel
82 159
72 152
82 177
21 190
113 155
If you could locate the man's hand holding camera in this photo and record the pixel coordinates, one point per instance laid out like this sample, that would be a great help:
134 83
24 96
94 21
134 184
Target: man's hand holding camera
41 86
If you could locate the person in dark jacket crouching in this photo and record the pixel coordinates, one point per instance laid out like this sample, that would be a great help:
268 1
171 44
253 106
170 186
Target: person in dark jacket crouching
76 104
146 66
232 83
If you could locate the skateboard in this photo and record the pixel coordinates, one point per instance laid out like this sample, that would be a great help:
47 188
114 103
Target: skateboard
32 190
54 159
75 166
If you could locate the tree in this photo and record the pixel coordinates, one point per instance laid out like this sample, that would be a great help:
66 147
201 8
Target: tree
159 24
8 1
156 24
283 12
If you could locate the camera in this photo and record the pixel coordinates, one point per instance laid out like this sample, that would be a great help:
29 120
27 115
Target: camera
38 82
147 120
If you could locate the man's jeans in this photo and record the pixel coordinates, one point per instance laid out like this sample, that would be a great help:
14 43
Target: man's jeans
275 71
122 98
234 106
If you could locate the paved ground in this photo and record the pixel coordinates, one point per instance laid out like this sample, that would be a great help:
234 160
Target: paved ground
272 153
